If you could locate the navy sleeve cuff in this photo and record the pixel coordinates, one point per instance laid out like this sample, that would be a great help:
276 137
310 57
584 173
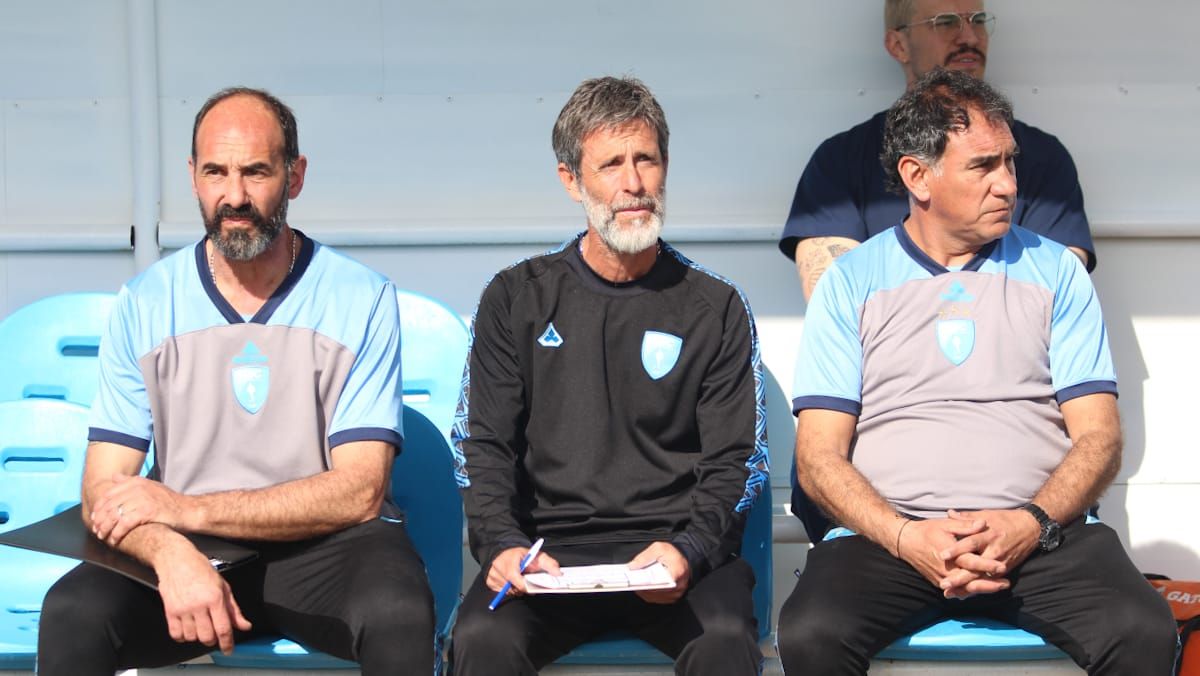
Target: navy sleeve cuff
850 406
367 434
111 437
1083 389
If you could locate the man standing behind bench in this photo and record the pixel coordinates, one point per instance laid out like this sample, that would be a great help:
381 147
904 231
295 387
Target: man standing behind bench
266 370
958 418
610 408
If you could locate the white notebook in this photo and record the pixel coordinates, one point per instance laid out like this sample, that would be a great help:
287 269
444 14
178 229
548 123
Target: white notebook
604 578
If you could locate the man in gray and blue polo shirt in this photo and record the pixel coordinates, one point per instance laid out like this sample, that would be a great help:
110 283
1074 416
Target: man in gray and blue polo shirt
957 419
265 368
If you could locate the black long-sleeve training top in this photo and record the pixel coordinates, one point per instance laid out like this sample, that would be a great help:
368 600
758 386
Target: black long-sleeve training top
595 412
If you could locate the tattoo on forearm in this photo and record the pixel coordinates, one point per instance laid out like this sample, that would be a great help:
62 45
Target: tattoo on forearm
818 257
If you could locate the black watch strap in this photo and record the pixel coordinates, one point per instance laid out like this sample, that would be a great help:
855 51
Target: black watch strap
1038 513
1051 533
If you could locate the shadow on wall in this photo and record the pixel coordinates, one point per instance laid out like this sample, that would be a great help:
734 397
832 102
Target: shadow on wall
1169 557
1132 376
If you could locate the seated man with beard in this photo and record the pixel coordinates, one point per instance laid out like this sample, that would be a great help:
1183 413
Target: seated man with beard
609 409
265 368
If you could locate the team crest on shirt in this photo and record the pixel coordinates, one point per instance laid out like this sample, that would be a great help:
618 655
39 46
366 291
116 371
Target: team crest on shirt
660 351
251 378
956 337
550 337
955 328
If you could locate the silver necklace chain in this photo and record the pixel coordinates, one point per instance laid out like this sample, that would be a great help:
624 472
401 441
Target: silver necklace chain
212 273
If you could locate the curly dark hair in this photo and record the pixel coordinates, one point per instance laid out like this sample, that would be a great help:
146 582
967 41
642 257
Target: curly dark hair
920 122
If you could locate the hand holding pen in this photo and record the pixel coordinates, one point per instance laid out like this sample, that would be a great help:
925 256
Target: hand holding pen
525 562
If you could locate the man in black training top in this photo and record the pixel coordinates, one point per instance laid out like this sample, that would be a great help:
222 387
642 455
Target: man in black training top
610 407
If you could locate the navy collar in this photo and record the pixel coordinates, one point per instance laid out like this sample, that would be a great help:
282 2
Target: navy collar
303 258
933 267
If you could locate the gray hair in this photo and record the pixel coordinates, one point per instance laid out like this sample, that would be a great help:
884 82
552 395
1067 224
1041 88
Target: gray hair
283 114
919 123
605 103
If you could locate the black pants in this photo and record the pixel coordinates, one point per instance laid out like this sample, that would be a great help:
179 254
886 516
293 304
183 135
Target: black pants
711 630
1086 597
360 594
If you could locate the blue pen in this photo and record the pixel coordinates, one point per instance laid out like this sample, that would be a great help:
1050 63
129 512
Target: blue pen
525 561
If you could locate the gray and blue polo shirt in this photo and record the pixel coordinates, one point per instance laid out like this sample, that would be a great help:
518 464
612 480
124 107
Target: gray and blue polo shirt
243 403
956 376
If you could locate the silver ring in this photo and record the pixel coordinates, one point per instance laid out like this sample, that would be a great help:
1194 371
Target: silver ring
120 511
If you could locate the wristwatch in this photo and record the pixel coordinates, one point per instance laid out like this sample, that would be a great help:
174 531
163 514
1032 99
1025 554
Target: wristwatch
1051 536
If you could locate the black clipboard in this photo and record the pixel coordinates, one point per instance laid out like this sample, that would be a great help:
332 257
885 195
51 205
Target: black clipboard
65 535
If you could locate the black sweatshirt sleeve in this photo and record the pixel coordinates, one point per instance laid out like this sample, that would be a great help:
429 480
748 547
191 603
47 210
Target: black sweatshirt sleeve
496 418
726 412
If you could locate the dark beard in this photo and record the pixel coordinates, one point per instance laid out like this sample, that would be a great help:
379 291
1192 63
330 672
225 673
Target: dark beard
244 245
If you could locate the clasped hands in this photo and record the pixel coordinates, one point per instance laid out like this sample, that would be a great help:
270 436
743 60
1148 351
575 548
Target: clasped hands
969 553
506 567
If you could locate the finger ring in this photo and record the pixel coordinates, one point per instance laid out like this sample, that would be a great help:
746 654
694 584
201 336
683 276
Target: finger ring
120 511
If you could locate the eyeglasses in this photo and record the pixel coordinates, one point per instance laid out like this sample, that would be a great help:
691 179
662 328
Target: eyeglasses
949 24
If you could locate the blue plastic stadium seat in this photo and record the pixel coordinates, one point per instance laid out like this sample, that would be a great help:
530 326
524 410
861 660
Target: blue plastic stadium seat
50 347
971 640
423 487
433 349
42 448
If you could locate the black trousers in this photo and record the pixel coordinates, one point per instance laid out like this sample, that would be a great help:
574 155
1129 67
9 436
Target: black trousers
1086 597
711 630
360 594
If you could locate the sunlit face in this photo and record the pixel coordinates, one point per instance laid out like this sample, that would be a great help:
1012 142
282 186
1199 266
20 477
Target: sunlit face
972 190
924 46
240 178
622 185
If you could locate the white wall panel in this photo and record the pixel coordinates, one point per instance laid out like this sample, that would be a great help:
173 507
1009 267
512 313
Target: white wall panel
28 276
1134 153
1083 42
544 47
63 49
291 47
68 161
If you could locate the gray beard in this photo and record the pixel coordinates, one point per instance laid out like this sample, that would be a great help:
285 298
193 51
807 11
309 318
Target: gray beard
633 238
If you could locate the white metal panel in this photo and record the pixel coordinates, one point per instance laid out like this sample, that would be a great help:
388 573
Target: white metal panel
1134 146
1094 42
63 49
544 47
68 161
29 276
291 47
